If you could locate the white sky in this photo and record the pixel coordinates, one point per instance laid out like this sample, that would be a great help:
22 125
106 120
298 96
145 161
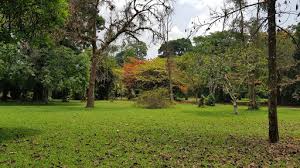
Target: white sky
186 11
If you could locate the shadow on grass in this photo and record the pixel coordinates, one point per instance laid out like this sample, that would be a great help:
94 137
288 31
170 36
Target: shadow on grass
51 103
16 133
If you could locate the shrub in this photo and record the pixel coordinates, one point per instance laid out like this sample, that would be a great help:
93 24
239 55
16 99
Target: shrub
201 101
154 99
210 100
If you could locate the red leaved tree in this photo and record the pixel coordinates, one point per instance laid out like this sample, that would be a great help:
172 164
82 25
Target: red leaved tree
129 75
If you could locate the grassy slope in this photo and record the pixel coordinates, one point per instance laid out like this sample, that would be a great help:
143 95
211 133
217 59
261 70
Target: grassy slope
119 134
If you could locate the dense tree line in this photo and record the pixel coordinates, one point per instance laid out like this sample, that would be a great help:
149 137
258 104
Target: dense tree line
34 60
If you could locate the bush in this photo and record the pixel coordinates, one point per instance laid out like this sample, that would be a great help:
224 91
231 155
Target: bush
154 99
210 100
201 101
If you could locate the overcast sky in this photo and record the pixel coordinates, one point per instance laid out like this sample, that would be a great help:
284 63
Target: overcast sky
187 10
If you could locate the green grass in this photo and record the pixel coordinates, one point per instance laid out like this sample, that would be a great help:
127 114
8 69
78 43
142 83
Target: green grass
119 134
259 100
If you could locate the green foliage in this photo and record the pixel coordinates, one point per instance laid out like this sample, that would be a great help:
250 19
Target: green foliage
65 70
15 66
201 101
175 47
219 60
153 74
288 67
100 22
216 43
106 80
137 50
210 100
190 64
154 99
204 65
2 67
56 68
30 20
119 86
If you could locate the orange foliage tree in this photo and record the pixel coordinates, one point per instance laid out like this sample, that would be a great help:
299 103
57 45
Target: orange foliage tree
130 71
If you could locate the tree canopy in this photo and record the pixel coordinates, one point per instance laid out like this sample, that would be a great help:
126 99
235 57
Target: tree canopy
175 47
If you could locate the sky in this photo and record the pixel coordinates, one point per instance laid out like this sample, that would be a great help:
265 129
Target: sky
186 11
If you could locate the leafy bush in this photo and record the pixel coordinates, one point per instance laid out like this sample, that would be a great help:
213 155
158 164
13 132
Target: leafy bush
201 101
154 99
210 100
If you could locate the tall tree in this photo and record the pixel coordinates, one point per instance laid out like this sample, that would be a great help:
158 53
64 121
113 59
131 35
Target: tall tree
255 39
273 121
136 50
272 66
165 28
31 23
211 49
133 18
176 47
30 20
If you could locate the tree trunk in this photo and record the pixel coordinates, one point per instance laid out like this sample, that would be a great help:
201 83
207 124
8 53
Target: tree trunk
40 93
252 94
90 103
242 22
15 93
212 89
4 94
273 121
252 87
91 89
235 107
131 94
24 95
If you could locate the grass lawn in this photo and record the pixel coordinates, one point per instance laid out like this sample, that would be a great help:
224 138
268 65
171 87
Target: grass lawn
118 134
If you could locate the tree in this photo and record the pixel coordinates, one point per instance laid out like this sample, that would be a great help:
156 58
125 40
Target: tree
129 75
239 21
16 70
46 69
30 20
273 121
149 75
216 43
256 41
31 24
296 68
64 70
190 63
285 63
153 74
210 51
236 70
106 78
272 66
135 17
136 50
175 47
